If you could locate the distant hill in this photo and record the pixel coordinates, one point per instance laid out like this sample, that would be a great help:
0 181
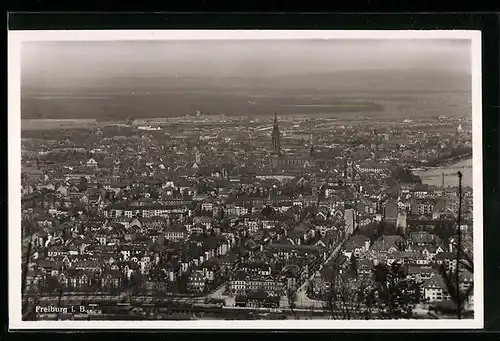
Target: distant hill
171 96
384 80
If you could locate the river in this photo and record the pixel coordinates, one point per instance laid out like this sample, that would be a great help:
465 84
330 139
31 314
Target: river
432 176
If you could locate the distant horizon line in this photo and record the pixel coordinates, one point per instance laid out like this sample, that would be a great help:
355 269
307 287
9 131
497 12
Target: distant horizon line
358 69
271 115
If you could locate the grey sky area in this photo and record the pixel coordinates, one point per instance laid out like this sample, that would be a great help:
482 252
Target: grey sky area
81 62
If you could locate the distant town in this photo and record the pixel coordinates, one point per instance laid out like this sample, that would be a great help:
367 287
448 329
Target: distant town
215 217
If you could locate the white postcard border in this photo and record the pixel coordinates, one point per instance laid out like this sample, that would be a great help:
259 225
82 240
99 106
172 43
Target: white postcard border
15 39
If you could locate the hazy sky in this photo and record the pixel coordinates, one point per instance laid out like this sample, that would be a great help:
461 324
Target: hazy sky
84 61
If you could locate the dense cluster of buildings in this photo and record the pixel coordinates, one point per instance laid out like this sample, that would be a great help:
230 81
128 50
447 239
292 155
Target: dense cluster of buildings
187 209
421 253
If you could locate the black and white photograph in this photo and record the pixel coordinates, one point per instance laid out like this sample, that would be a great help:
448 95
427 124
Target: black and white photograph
258 179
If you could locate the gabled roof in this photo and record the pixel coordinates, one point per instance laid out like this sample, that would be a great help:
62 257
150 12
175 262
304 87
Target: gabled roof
365 263
416 269
386 242
302 227
434 282
240 276
175 228
356 241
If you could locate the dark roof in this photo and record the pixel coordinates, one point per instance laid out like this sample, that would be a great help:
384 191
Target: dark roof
356 241
175 228
312 248
240 275
257 295
416 269
255 265
445 255
435 281
386 242
241 298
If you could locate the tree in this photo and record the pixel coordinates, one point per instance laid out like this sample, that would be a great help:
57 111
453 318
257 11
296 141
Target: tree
463 262
135 283
345 298
267 211
405 175
346 295
394 295
83 184
52 284
28 306
292 298
444 231
452 281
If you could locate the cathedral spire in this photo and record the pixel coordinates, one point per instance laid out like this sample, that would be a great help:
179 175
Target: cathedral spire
276 136
311 145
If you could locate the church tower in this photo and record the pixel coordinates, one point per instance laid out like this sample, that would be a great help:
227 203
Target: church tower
311 145
276 144
116 167
197 155
349 168
276 136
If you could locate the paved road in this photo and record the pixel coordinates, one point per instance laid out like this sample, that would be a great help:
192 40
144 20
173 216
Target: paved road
302 301
301 294
218 294
281 309
330 257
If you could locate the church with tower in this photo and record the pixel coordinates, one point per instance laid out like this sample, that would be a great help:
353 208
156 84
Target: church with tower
276 156
310 159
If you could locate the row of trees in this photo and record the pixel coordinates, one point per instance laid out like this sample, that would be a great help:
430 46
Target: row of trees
404 175
389 294
455 153
464 263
